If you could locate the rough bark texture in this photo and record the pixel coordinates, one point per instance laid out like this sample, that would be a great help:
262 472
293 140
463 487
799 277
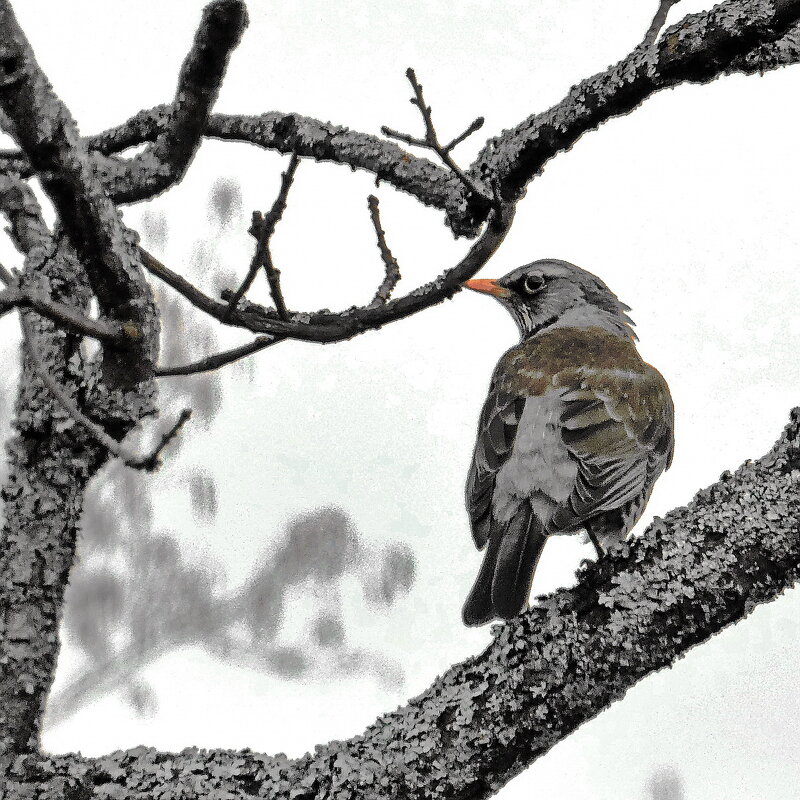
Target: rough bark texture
691 574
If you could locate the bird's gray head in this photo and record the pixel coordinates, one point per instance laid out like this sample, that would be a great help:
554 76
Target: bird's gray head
553 293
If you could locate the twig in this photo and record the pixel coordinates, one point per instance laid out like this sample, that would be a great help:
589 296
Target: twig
657 24
46 131
431 140
475 125
5 276
148 462
71 319
327 327
390 262
263 228
220 359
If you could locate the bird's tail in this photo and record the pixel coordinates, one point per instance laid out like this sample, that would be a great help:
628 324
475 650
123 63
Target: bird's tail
504 580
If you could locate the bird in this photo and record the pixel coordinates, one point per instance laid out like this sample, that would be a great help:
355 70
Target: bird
574 433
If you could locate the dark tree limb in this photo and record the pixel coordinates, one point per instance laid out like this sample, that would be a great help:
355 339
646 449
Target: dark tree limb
19 205
61 313
690 575
47 133
220 359
262 228
698 49
166 161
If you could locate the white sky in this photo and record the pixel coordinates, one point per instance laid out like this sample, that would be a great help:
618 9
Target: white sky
687 209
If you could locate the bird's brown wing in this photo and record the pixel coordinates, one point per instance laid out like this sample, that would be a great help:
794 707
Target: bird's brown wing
497 429
618 427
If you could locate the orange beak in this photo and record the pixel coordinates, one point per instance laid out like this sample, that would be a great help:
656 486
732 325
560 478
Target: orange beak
487 286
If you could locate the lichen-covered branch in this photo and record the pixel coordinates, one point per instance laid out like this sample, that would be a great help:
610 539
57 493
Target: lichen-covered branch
165 162
698 49
49 137
735 36
691 574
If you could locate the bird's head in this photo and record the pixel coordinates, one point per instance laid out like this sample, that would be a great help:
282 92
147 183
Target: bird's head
553 293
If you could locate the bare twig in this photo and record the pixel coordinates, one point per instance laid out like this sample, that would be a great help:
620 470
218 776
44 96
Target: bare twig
151 461
657 24
60 313
475 125
263 228
220 359
5 276
431 140
327 327
147 462
390 262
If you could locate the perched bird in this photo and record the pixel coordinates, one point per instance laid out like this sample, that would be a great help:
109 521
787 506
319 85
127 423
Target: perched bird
574 433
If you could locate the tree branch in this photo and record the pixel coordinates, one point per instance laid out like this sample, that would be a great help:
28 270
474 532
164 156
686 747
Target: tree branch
690 575
220 359
328 327
47 133
735 36
431 140
166 161
657 24
263 228
60 313
148 462
391 266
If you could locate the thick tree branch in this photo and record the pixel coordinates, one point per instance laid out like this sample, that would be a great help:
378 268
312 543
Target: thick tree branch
18 203
166 161
690 575
148 462
736 36
47 133
698 49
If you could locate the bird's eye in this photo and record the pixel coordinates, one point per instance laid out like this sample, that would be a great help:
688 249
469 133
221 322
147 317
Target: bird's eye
532 284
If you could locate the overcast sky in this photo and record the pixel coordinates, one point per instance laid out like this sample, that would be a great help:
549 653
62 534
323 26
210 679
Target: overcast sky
687 208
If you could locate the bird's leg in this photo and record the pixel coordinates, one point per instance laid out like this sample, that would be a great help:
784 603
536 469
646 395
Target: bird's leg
595 541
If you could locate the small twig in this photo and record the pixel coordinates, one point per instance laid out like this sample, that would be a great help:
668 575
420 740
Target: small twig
390 262
431 140
657 24
71 319
263 228
6 276
475 125
149 462
220 359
